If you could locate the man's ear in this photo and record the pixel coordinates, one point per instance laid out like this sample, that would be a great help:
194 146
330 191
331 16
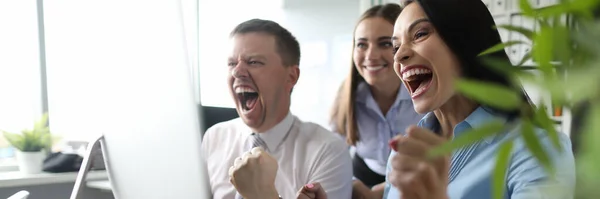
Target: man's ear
294 74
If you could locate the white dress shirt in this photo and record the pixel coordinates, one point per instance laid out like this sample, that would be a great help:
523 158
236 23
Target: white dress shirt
305 152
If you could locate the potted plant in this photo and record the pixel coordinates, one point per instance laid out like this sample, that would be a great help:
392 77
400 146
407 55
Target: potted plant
31 145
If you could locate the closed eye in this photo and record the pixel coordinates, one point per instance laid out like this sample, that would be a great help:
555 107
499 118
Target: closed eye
255 63
420 34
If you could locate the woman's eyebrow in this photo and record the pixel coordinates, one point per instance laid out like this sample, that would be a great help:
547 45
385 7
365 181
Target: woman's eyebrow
384 38
411 26
414 23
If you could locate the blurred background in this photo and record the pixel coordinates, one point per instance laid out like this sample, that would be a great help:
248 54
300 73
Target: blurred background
40 65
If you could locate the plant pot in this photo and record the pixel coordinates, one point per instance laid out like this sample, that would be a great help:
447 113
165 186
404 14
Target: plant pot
30 162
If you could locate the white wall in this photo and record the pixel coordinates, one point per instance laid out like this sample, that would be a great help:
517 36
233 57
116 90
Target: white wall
325 35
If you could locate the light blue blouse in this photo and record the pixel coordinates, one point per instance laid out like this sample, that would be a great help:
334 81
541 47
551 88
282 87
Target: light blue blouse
472 167
376 129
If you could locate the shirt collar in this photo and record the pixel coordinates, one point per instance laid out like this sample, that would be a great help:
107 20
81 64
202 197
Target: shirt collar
363 94
476 119
274 136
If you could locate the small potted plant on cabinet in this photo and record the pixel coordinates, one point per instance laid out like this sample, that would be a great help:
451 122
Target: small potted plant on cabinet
31 145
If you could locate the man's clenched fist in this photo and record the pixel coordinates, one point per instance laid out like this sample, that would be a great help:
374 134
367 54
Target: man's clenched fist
253 175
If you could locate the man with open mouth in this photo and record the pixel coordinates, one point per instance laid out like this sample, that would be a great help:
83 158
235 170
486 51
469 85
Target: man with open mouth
263 68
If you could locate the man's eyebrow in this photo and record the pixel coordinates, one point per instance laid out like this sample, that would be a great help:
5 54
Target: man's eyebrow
256 57
246 57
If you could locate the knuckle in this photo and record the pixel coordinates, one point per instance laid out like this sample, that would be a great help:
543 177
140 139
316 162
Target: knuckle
411 129
422 167
397 159
408 181
393 178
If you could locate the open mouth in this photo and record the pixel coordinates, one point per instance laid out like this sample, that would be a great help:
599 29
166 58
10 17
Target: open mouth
247 97
418 80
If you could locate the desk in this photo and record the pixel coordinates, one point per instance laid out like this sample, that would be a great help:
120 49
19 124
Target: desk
18 179
103 185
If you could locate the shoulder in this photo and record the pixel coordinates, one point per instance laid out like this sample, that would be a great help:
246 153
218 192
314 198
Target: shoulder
526 172
546 141
223 129
316 135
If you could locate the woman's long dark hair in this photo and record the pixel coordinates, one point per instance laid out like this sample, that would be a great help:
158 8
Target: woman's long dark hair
467 27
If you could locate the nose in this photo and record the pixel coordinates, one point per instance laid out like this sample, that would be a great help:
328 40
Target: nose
373 53
403 54
239 71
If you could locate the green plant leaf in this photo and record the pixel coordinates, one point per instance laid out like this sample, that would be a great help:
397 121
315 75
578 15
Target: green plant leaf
587 159
468 137
582 37
562 41
499 47
591 129
525 58
491 94
502 160
526 8
553 10
542 119
14 140
575 88
524 31
33 140
533 144
583 5
42 122
499 65
543 45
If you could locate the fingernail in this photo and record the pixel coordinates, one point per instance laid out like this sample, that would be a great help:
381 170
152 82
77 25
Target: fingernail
310 186
393 144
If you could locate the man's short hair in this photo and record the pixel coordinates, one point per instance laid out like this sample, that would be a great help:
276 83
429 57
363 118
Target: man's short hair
286 44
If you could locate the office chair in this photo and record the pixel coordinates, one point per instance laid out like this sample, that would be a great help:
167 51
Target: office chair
20 195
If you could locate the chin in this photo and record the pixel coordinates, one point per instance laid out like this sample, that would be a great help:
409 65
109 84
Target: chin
422 107
250 122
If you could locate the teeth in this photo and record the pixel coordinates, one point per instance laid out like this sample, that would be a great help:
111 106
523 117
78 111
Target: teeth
244 90
373 68
415 71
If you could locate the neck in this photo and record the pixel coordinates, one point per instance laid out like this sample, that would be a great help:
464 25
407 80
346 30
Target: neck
456 110
385 95
273 118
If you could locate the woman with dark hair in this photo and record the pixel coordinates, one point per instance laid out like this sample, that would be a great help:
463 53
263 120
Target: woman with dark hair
435 43
442 40
372 106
